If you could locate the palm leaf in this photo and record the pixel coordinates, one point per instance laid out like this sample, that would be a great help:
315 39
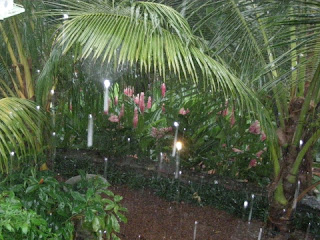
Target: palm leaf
19 130
149 34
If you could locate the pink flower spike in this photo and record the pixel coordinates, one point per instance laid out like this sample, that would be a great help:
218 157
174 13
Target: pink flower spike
253 163
137 99
258 154
141 102
232 118
255 127
121 114
263 136
128 91
182 111
225 112
223 145
163 89
113 118
116 100
236 150
135 118
149 104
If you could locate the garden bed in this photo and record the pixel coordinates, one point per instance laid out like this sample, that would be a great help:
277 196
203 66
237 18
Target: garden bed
206 193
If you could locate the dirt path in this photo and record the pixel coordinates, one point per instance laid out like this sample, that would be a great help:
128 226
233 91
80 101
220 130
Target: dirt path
152 218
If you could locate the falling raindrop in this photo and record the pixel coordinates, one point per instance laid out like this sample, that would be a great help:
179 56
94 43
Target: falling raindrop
296 194
176 124
195 230
260 234
106 96
251 208
90 131
300 143
105 167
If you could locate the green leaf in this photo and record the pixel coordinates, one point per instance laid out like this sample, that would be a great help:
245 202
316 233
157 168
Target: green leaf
122 217
109 206
32 188
9 227
78 196
118 198
115 223
89 193
25 228
96 226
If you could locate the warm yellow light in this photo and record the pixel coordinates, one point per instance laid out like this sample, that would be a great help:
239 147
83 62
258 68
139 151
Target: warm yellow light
179 146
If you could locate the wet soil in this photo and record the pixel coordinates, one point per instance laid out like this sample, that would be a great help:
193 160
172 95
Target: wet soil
153 218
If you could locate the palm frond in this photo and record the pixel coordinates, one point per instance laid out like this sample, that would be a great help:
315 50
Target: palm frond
19 130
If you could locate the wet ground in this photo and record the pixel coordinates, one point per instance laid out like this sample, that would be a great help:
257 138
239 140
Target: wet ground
153 218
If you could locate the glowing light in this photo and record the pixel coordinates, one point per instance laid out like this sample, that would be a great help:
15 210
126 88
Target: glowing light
179 146
52 91
65 16
176 124
245 204
38 108
106 83
12 154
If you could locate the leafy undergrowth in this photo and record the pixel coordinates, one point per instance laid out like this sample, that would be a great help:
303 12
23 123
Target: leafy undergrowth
37 206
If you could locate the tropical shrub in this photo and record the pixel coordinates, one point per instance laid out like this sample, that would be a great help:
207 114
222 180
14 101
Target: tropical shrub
17 222
65 210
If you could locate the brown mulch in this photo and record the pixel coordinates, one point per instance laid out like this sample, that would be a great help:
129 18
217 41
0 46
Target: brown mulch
153 218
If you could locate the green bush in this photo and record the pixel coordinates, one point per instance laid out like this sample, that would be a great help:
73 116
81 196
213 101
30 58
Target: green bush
17 222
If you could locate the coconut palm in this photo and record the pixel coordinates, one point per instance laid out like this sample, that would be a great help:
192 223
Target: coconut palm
21 55
273 48
148 35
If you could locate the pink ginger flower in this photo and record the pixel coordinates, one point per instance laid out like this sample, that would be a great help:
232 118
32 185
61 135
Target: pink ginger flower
141 102
236 150
135 118
116 100
137 99
225 112
161 132
128 91
121 114
163 89
253 163
255 127
113 118
258 154
182 111
263 136
232 119
149 104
